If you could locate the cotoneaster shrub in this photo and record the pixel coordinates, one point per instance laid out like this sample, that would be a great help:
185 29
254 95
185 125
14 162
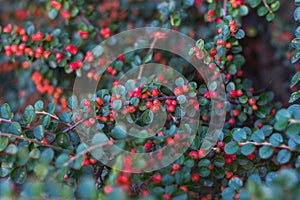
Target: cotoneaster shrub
46 44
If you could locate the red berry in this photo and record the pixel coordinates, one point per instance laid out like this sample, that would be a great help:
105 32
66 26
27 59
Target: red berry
171 109
193 155
108 189
149 104
252 101
131 109
211 12
195 177
74 65
66 14
66 177
175 167
147 146
239 93
71 48
37 36
178 91
232 93
220 144
154 92
251 156
167 196
156 178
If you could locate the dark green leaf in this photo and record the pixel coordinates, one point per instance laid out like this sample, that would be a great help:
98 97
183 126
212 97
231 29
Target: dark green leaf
52 13
18 175
266 152
247 149
283 156
15 128
39 132
231 147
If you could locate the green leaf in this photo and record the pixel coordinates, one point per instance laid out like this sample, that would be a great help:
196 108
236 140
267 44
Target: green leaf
297 163
62 140
147 117
118 132
275 6
219 161
41 171
293 130
73 102
11 149
254 3
239 135
39 132
35 154
243 10
39 105
294 96
295 57
5 112
167 179
148 57
266 152
247 149
296 77
240 34
297 14
15 128
18 175
188 3
175 19
258 136
283 156
51 107
276 139
179 82
98 51
29 114
117 104
262 10
3 143
61 160
235 183
65 117
53 13
74 11
231 147
47 155
280 125
283 115
270 17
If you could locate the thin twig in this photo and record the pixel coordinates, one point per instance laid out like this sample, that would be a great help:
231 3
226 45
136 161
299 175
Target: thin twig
295 121
267 6
73 126
5 120
268 144
86 151
46 113
224 8
22 137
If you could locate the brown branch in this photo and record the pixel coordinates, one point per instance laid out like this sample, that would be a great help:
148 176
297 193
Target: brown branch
22 137
295 121
73 126
5 120
45 113
87 150
268 144
267 6
224 8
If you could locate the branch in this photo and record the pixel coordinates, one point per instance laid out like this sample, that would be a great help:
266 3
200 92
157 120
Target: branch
5 120
224 8
22 137
45 113
268 144
74 126
87 150
267 6
295 121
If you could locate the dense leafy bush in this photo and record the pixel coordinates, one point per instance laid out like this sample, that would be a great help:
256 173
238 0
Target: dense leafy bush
55 143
